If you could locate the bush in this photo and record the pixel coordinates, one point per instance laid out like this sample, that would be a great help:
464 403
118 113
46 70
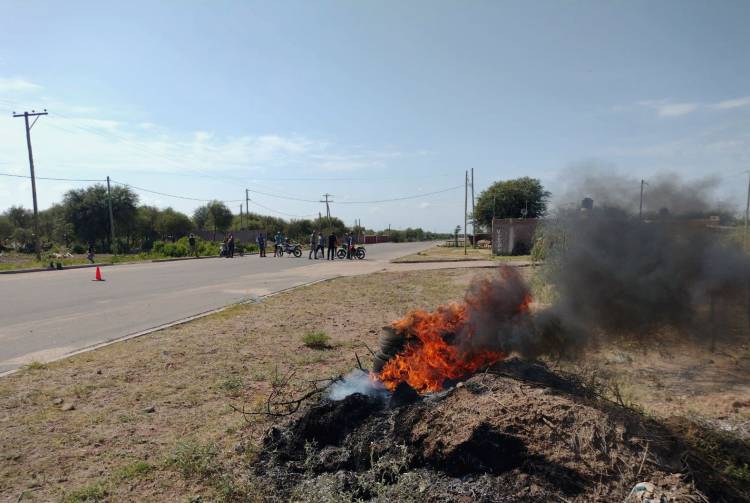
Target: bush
316 340
77 248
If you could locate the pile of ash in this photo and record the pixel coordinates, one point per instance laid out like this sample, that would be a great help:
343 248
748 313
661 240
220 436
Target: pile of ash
518 432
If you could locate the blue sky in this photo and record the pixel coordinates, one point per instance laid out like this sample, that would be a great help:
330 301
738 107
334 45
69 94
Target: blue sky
371 100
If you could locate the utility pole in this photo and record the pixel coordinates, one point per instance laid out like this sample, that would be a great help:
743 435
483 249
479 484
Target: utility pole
640 207
466 206
247 204
328 209
473 216
111 216
747 211
26 116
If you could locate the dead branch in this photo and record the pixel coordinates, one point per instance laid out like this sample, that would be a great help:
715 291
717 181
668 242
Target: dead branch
276 406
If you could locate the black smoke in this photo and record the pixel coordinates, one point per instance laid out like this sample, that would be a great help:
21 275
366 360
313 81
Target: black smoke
615 273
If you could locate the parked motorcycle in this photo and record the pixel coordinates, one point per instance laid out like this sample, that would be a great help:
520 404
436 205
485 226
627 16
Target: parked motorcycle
357 252
291 249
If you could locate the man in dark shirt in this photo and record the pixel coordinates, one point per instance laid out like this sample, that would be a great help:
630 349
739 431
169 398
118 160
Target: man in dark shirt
332 246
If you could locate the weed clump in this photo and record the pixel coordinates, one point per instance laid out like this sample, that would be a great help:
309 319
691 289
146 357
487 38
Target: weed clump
317 340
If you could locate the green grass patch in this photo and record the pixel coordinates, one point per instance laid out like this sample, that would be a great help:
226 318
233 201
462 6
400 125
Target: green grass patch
133 470
91 493
194 460
232 384
317 340
35 365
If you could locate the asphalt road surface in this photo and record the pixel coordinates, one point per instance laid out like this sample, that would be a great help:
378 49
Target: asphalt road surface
46 315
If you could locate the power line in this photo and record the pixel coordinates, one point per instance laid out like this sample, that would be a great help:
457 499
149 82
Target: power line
256 203
54 179
291 198
174 195
416 196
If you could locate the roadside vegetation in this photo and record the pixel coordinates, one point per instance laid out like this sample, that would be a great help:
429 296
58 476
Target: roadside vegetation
142 232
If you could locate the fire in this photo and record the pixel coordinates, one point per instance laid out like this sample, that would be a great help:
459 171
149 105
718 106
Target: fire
430 356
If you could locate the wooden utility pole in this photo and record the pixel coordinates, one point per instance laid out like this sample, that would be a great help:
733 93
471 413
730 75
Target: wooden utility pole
473 216
247 204
640 207
466 206
26 116
111 216
747 211
328 209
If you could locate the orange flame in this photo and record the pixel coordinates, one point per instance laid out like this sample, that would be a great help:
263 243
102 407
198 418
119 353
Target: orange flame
429 357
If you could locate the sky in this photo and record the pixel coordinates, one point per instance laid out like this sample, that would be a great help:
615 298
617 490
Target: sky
370 101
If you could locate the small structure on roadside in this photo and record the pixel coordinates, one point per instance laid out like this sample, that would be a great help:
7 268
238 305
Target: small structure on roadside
513 236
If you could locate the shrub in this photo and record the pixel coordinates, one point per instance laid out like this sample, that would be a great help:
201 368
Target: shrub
194 460
77 248
316 340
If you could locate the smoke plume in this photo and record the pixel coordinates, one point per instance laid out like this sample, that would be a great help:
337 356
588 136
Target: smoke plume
615 274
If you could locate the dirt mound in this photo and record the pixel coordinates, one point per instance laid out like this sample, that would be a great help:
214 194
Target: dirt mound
517 433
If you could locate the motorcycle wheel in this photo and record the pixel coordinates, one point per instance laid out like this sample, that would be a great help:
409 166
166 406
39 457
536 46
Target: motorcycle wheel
360 253
341 254
297 252
281 252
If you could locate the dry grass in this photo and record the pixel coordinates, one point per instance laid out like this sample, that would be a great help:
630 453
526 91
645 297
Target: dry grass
453 254
151 418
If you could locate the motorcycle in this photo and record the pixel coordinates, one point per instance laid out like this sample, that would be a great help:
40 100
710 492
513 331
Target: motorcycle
291 249
357 252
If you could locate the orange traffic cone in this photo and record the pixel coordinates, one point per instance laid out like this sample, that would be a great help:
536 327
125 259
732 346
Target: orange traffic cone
98 274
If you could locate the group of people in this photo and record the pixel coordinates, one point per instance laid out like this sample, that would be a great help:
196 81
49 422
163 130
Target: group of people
317 244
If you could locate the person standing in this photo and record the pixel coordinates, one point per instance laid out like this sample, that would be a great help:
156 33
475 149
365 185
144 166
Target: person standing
230 246
312 247
193 248
332 246
320 246
349 241
261 244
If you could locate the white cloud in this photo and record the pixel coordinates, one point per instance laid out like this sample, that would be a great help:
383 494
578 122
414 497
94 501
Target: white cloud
424 205
17 85
665 109
734 103
676 109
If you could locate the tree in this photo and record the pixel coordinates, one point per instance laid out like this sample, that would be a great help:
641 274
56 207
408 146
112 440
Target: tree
88 212
20 217
200 217
6 229
509 198
173 223
220 217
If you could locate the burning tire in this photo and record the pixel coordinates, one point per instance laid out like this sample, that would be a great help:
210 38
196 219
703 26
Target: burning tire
391 343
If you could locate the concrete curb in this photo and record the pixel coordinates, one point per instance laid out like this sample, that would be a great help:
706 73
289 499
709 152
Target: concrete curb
516 263
86 266
175 323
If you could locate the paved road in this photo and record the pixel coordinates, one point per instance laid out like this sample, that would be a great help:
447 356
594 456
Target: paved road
46 315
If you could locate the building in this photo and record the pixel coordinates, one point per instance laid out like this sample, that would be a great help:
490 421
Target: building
513 236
